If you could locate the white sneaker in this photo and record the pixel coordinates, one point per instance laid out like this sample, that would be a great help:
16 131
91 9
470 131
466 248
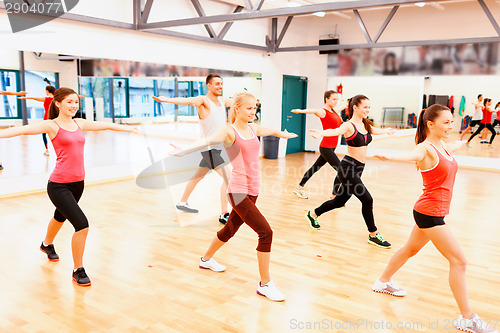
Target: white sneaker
389 288
185 207
270 291
211 264
301 193
473 325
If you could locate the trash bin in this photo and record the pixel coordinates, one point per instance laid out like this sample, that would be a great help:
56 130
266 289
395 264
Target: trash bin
271 147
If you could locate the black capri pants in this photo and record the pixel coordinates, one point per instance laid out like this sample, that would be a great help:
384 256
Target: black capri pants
349 174
65 197
327 155
480 128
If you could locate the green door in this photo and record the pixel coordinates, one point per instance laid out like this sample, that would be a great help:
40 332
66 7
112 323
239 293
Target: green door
294 97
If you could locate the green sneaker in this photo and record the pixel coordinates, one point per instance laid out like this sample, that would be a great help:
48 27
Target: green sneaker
313 221
379 241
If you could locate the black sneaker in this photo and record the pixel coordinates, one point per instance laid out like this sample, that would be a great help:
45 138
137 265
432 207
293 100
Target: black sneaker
223 218
379 241
81 277
313 221
1 166
50 251
185 207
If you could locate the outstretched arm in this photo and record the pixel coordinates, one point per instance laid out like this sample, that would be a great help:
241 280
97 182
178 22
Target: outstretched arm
87 125
266 131
39 99
454 146
195 101
380 131
34 129
20 93
416 155
317 112
342 129
223 135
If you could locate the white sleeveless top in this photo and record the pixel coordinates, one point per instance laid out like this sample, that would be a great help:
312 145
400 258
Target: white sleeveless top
478 113
215 120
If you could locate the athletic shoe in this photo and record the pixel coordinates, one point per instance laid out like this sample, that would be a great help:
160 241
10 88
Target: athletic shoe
484 141
185 207
211 264
491 147
301 193
467 144
46 153
223 218
313 221
379 241
50 251
473 325
389 288
81 277
1 166
270 291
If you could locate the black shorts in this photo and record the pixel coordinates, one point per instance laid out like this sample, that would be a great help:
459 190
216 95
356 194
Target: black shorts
211 159
474 123
425 221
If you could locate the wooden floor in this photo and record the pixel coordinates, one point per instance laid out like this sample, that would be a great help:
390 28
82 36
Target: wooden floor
142 257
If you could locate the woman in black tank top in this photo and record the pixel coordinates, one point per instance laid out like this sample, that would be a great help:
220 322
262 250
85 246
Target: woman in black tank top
358 132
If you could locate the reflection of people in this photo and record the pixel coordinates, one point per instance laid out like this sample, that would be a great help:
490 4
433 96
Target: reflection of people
329 119
66 182
243 189
438 169
212 114
485 123
476 117
49 91
347 65
365 66
497 119
258 110
390 64
351 167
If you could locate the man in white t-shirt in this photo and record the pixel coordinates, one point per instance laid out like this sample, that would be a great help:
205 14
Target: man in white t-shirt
212 113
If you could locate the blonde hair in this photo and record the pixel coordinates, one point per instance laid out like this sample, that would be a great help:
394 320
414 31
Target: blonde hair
238 99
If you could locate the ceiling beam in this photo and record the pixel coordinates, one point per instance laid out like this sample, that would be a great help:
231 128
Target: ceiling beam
201 13
228 25
490 16
259 4
386 23
363 26
248 4
391 44
146 11
283 30
293 11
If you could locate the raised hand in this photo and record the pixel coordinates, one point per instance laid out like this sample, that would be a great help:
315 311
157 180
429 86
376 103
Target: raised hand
382 157
316 134
159 99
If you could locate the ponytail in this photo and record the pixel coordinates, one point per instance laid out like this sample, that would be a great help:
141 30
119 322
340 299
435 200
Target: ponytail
59 95
429 114
355 101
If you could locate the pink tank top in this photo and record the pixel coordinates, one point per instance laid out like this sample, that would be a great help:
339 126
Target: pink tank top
438 186
69 150
244 155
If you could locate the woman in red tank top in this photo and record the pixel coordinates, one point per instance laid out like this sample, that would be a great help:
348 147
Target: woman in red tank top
485 123
243 188
438 169
49 91
330 119
66 183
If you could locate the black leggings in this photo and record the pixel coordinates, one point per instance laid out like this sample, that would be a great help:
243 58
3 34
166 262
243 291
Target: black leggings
349 174
327 155
480 128
44 137
65 197
496 122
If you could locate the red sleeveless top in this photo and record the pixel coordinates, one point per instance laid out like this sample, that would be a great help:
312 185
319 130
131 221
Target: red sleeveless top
69 150
330 121
438 186
46 105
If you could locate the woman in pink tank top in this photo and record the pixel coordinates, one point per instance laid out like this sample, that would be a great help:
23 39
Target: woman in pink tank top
242 145
438 169
66 182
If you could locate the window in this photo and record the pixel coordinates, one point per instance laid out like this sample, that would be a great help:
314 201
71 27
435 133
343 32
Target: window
35 86
165 88
9 106
141 97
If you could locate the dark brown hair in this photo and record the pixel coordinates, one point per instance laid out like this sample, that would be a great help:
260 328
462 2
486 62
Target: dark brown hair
50 89
211 76
429 114
59 95
355 101
328 93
